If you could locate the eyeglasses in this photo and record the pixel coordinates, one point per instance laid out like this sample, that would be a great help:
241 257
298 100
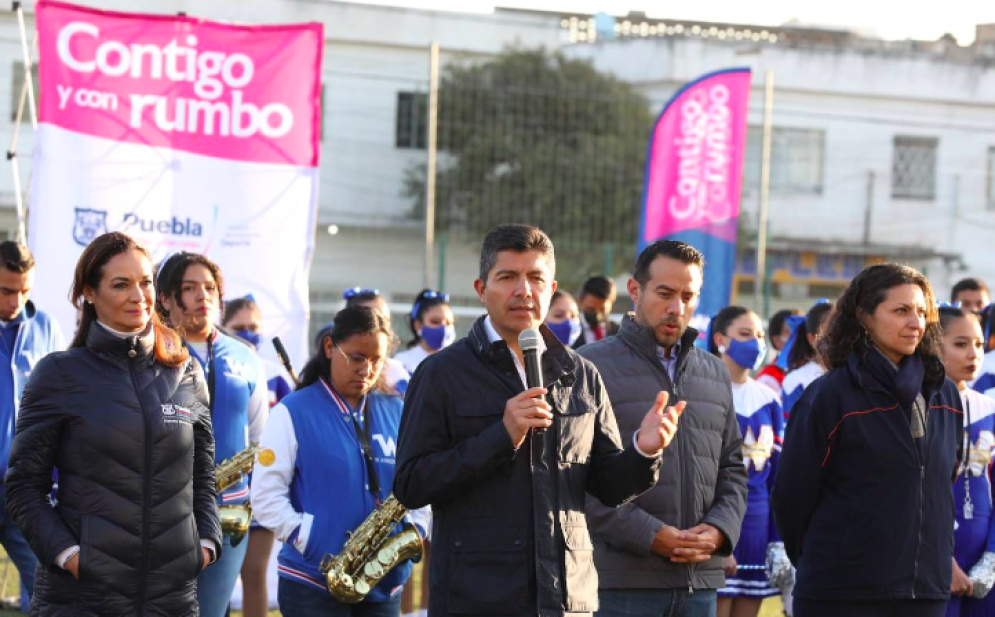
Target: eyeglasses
352 292
358 362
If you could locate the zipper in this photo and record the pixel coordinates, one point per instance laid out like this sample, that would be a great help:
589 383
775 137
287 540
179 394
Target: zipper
688 568
146 479
921 460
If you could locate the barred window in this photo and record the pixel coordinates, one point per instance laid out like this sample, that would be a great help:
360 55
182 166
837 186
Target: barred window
412 120
796 159
913 168
17 82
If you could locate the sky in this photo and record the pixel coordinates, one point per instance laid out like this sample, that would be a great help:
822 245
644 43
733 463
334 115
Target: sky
889 19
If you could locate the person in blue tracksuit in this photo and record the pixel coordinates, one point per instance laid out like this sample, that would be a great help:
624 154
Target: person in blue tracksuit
190 291
736 336
244 320
798 357
26 336
863 498
314 484
985 381
974 535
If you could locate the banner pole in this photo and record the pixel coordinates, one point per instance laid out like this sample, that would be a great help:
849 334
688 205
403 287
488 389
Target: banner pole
430 167
764 192
26 52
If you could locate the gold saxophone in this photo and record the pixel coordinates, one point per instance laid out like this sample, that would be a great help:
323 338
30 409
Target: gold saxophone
371 552
235 519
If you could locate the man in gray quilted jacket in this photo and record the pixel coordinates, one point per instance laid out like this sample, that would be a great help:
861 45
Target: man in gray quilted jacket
661 555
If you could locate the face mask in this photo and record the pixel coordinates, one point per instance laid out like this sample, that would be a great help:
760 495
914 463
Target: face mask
438 337
252 337
748 354
594 318
566 331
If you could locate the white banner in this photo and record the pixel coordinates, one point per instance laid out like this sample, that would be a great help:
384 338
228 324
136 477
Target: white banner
188 135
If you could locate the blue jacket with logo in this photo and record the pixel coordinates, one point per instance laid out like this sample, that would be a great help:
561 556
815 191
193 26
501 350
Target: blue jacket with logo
37 336
239 402
330 480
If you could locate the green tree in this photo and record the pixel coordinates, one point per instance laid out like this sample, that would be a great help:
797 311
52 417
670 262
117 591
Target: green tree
532 136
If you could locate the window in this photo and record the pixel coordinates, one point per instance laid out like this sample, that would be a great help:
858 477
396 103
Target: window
796 157
913 168
17 73
990 179
412 120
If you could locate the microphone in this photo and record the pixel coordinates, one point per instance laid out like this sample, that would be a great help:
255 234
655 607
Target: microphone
529 341
281 351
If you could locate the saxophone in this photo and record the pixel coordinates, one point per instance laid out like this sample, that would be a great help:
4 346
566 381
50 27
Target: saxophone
235 519
371 552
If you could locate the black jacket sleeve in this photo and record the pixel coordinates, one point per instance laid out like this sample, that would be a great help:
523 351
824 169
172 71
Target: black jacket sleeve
797 487
431 466
32 459
617 476
729 505
205 488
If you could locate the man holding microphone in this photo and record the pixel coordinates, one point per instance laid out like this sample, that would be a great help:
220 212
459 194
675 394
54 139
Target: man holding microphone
505 467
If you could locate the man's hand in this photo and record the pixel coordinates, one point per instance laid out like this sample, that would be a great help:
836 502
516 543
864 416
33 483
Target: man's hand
659 425
207 557
730 566
676 544
705 533
72 565
960 584
525 412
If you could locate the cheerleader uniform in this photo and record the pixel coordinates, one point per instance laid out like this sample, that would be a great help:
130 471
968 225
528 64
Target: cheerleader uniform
795 383
973 532
985 383
758 410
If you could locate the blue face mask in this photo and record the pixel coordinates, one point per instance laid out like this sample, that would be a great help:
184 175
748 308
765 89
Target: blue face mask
252 337
748 354
566 331
438 337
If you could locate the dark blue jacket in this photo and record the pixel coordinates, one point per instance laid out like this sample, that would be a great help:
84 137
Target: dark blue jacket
865 513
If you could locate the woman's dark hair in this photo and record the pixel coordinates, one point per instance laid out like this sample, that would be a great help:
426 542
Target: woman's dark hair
361 298
169 349
950 314
426 300
233 307
802 351
169 281
845 334
776 323
720 324
349 322
559 293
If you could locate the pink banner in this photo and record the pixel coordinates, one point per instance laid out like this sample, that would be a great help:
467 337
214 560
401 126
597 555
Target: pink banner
246 93
695 160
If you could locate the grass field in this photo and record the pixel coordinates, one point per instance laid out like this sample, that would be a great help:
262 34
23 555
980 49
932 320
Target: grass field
11 581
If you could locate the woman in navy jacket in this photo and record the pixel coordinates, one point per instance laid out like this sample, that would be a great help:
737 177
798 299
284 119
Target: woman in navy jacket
863 498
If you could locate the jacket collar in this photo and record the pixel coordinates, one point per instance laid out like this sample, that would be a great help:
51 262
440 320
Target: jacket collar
139 347
857 366
641 339
557 364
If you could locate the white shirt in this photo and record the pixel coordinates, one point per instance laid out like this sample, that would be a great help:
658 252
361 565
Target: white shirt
411 358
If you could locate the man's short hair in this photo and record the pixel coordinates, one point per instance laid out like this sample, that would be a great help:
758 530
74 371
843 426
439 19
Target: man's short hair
968 284
681 251
600 287
518 238
15 257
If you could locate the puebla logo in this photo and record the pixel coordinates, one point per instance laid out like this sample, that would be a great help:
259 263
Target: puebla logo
88 225
173 226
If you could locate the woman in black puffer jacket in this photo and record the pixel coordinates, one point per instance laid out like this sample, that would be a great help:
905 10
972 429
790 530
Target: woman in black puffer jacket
123 417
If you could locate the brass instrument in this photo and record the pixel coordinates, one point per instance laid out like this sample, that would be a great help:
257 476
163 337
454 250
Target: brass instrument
371 552
235 519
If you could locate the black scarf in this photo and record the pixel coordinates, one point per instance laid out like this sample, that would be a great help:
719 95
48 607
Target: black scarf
904 382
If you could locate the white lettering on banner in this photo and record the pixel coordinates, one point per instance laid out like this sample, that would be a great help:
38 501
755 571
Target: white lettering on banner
387 446
208 71
704 163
